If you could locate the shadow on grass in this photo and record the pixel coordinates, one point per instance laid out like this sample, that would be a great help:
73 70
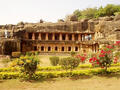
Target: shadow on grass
1 81
40 80
80 77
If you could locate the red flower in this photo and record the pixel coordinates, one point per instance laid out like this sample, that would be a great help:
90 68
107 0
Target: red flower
93 59
117 42
98 63
103 52
101 55
109 47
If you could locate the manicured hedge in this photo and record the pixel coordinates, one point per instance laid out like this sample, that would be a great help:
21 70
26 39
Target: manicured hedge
49 68
56 74
9 75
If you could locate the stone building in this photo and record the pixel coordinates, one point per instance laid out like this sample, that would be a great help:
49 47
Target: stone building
78 36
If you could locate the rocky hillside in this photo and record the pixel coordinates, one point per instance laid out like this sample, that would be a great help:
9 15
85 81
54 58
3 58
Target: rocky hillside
105 28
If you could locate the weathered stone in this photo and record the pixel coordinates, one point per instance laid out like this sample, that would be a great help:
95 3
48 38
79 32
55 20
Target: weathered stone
70 34
117 17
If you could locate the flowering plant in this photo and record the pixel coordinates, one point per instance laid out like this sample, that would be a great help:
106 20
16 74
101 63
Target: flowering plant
104 58
82 57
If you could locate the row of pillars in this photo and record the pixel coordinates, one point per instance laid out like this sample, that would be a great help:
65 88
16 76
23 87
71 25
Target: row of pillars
58 48
81 37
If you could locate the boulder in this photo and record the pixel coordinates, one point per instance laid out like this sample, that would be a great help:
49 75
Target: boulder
117 17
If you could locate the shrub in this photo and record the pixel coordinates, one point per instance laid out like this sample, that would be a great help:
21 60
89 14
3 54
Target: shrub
72 53
32 53
69 63
16 54
54 60
28 65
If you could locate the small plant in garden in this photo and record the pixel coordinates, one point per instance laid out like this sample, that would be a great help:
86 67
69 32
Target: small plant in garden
28 65
105 57
116 57
69 63
54 60
72 53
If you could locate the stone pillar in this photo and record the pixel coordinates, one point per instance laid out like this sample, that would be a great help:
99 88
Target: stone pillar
53 36
33 36
39 37
93 36
79 37
65 48
46 36
73 37
59 48
19 46
66 38
60 37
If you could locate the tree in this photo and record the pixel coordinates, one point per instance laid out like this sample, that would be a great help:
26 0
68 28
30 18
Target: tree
89 12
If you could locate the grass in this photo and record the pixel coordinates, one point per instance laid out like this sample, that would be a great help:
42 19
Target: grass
84 83
111 82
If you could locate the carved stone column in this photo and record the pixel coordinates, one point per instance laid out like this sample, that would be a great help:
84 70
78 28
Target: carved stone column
66 37
33 36
53 36
39 37
46 36
73 37
79 37
60 36
93 36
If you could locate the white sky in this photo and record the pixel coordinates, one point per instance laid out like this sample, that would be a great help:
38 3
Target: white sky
14 11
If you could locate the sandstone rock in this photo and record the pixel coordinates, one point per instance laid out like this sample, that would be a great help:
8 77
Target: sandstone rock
60 20
117 17
71 18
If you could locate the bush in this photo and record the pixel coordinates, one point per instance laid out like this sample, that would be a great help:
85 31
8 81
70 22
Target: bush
72 53
69 63
54 60
32 53
28 65
16 54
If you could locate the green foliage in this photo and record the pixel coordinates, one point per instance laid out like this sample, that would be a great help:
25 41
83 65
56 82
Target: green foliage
89 12
32 53
9 75
28 65
48 74
105 61
117 13
54 60
108 10
72 53
77 13
50 68
69 63
100 12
